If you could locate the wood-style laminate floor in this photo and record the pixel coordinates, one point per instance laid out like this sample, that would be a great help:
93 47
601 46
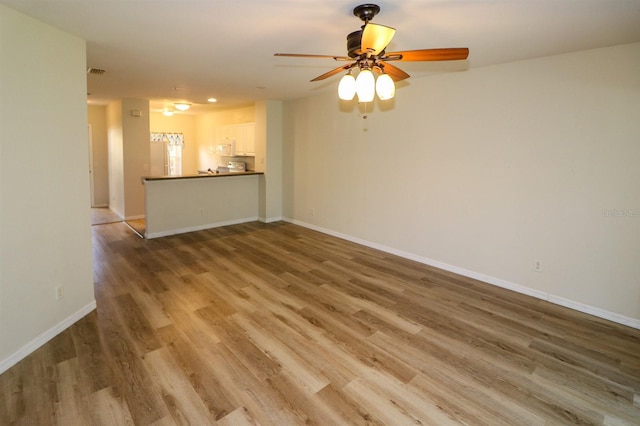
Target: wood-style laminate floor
139 226
275 324
102 215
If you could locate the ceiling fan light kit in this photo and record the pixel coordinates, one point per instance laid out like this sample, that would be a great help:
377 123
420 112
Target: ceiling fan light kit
385 88
347 87
366 48
365 87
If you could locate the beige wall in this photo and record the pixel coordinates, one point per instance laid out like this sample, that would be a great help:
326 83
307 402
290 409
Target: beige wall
97 116
116 157
269 142
486 171
136 155
129 155
45 232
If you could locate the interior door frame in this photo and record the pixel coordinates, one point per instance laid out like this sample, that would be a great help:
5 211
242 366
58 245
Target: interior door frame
91 180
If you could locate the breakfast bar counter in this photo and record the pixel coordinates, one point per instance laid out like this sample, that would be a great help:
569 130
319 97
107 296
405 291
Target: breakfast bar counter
179 204
199 175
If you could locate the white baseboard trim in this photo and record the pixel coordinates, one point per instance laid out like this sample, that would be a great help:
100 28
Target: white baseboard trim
151 235
270 219
567 303
27 349
596 312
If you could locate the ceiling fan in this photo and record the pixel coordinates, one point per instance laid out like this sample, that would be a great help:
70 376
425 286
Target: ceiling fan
366 52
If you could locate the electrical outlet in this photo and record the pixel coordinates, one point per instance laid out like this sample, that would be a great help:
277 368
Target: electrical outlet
537 266
201 212
59 293
312 212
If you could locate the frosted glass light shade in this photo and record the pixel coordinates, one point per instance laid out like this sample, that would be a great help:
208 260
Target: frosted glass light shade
167 113
347 87
365 86
385 87
182 106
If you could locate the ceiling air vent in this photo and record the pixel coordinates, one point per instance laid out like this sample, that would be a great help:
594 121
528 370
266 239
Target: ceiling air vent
95 71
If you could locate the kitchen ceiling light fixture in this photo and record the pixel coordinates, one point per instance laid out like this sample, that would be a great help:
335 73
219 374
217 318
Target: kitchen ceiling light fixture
167 112
182 106
212 100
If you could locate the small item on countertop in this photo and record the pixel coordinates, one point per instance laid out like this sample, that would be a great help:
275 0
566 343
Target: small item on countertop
237 166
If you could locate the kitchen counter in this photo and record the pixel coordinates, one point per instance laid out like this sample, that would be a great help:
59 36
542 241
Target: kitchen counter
178 204
200 175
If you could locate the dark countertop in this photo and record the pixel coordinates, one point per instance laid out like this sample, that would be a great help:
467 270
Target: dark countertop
200 176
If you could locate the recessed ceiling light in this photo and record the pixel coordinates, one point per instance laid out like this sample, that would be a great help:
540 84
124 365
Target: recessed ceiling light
212 100
167 112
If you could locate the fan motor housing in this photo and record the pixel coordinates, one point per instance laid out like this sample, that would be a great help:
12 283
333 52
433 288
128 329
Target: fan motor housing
354 41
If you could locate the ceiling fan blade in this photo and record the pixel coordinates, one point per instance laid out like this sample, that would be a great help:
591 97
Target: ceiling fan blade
394 72
304 55
375 38
449 54
333 72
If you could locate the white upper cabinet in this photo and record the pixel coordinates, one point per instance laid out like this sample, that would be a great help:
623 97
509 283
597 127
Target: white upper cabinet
240 138
246 139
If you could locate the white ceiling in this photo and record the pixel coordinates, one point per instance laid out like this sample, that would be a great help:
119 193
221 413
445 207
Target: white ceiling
168 50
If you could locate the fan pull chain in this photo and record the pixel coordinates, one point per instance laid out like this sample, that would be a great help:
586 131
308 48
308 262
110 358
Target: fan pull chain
365 116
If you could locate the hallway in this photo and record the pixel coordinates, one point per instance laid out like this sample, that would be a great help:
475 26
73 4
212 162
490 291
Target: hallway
102 215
